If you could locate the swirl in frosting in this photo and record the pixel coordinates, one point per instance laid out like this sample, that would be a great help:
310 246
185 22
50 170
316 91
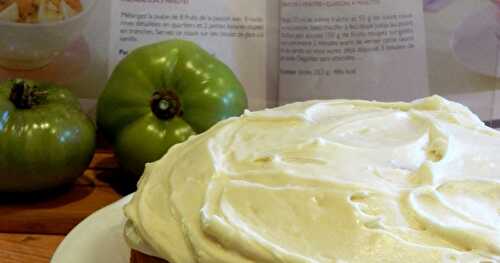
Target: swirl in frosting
327 181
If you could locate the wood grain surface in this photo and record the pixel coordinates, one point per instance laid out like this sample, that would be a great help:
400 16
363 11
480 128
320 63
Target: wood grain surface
32 226
55 215
25 248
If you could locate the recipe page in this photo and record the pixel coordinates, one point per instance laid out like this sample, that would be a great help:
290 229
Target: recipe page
356 49
241 33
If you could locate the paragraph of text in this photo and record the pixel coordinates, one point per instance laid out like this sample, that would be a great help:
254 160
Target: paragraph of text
133 26
344 38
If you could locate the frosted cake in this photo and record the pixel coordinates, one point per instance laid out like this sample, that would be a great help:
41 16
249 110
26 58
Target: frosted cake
326 181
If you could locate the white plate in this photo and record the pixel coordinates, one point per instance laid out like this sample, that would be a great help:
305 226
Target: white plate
97 239
475 43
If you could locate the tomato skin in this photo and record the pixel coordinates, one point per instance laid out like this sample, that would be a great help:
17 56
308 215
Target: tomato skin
46 146
205 89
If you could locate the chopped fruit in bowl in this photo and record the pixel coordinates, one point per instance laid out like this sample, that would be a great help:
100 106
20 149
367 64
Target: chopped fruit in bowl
34 31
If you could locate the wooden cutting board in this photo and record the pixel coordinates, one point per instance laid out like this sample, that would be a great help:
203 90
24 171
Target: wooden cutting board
26 248
32 227
59 212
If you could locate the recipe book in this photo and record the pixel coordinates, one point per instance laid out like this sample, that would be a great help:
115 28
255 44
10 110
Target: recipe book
291 50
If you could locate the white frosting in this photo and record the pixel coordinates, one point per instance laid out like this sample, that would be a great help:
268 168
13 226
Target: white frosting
327 181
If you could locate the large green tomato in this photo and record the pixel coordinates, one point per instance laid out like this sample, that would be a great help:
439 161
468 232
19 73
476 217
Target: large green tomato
161 94
45 140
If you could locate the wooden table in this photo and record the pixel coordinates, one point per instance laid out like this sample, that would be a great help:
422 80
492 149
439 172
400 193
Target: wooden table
31 229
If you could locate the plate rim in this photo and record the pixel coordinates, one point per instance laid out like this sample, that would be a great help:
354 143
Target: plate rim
69 239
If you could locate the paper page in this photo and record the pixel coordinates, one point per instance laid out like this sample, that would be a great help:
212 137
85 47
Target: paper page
462 51
237 32
356 49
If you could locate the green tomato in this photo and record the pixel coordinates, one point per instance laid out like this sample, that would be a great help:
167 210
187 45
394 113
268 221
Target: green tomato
160 95
45 139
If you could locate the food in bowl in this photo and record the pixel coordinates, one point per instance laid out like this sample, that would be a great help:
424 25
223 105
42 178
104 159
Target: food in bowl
35 11
35 31
325 181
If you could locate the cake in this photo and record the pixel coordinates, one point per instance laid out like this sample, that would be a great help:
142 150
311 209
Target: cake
35 11
325 181
138 257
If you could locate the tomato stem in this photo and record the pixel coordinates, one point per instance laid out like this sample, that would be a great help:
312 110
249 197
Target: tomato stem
25 95
165 105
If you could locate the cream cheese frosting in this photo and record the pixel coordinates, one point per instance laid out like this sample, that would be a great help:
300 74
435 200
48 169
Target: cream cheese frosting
327 181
